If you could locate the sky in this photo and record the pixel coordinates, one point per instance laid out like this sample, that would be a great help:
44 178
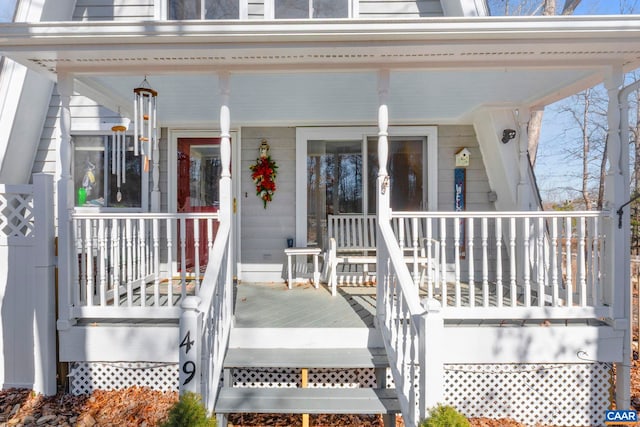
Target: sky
6 10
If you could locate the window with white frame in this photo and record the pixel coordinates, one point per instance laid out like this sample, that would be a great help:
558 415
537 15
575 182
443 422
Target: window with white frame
95 185
304 9
203 9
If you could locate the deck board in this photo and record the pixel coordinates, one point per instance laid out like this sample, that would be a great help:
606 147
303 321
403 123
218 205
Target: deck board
268 305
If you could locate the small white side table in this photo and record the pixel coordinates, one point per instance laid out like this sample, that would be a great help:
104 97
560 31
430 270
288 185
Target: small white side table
291 252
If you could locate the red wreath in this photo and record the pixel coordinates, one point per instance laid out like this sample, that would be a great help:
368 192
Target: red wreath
263 174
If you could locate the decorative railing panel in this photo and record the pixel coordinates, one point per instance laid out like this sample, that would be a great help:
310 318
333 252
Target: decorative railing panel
138 264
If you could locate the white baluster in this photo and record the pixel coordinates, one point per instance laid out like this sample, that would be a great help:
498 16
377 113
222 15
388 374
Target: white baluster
525 262
540 262
430 266
156 263
416 253
554 261
597 253
443 261
456 259
196 248
183 257
581 261
499 289
485 262
569 282
102 260
115 260
81 261
129 261
170 261
143 262
89 259
472 267
512 262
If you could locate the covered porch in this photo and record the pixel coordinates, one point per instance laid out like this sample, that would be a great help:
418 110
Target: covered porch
441 275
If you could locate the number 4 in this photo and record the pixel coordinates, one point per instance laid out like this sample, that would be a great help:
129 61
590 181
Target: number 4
187 342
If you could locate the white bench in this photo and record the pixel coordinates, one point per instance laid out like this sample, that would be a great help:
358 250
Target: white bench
352 240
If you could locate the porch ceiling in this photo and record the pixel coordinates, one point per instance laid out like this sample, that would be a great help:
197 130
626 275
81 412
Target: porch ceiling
316 71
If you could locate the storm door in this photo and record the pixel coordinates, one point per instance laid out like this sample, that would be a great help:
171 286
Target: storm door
198 190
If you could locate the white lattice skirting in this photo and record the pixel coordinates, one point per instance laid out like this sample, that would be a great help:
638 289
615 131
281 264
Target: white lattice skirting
559 394
85 377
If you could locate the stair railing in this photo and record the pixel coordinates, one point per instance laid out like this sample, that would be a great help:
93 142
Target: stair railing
205 323
410 332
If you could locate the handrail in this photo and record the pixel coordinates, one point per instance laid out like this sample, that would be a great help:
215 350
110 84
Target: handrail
401 321
501 214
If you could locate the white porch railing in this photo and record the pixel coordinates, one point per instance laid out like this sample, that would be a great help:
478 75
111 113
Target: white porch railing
517 265
138 265
520 260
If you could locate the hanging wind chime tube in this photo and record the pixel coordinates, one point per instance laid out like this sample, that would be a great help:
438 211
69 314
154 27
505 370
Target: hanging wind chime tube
145 118
119 157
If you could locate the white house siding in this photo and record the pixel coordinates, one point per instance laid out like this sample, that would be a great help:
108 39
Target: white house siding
116 10
399 8
264 231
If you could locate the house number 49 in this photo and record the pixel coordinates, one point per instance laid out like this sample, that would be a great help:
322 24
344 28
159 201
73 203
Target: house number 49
189 366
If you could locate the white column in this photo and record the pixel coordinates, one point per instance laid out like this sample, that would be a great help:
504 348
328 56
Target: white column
524 185
66 264
226 196
44 288
617 269
382 182
155 177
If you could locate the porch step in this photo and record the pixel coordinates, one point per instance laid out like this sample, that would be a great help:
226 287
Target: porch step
313 400
307 401
306 358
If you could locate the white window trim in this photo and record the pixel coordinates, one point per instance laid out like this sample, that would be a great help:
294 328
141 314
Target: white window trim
304 134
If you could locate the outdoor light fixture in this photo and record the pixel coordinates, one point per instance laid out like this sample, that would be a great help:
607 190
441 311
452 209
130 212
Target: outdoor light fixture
508 135
145 135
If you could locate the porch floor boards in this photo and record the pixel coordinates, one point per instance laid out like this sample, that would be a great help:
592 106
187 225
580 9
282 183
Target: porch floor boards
273 305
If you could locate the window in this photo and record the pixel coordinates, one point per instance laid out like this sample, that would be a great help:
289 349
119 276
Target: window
203 9
95 185
304 9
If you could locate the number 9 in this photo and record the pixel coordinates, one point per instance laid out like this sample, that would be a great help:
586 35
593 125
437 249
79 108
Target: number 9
189 368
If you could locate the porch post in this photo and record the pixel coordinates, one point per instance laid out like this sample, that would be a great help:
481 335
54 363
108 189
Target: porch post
524 190
65 206
382 182
225 179
617 268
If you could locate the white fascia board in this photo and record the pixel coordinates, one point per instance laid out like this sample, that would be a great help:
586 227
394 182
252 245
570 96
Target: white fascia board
480 30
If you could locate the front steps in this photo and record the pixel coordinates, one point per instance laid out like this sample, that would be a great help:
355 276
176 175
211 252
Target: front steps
301 400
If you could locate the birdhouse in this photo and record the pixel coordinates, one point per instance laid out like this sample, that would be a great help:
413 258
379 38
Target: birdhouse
462 158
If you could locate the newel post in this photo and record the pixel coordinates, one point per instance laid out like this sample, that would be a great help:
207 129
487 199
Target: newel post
44 287
382 184
189 359
617 257
66 269
431 360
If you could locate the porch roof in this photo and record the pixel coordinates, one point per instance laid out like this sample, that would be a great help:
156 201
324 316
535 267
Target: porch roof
494 61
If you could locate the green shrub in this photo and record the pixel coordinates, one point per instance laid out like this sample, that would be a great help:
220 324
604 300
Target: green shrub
445 416
189 412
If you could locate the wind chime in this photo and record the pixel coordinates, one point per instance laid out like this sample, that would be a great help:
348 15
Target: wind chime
145 135
118 156
145 122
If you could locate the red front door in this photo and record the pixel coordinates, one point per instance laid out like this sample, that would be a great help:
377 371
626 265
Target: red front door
199 169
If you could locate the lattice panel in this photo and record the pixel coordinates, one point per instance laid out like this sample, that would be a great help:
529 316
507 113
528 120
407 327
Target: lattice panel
291 378
85 377
16 215
567 394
